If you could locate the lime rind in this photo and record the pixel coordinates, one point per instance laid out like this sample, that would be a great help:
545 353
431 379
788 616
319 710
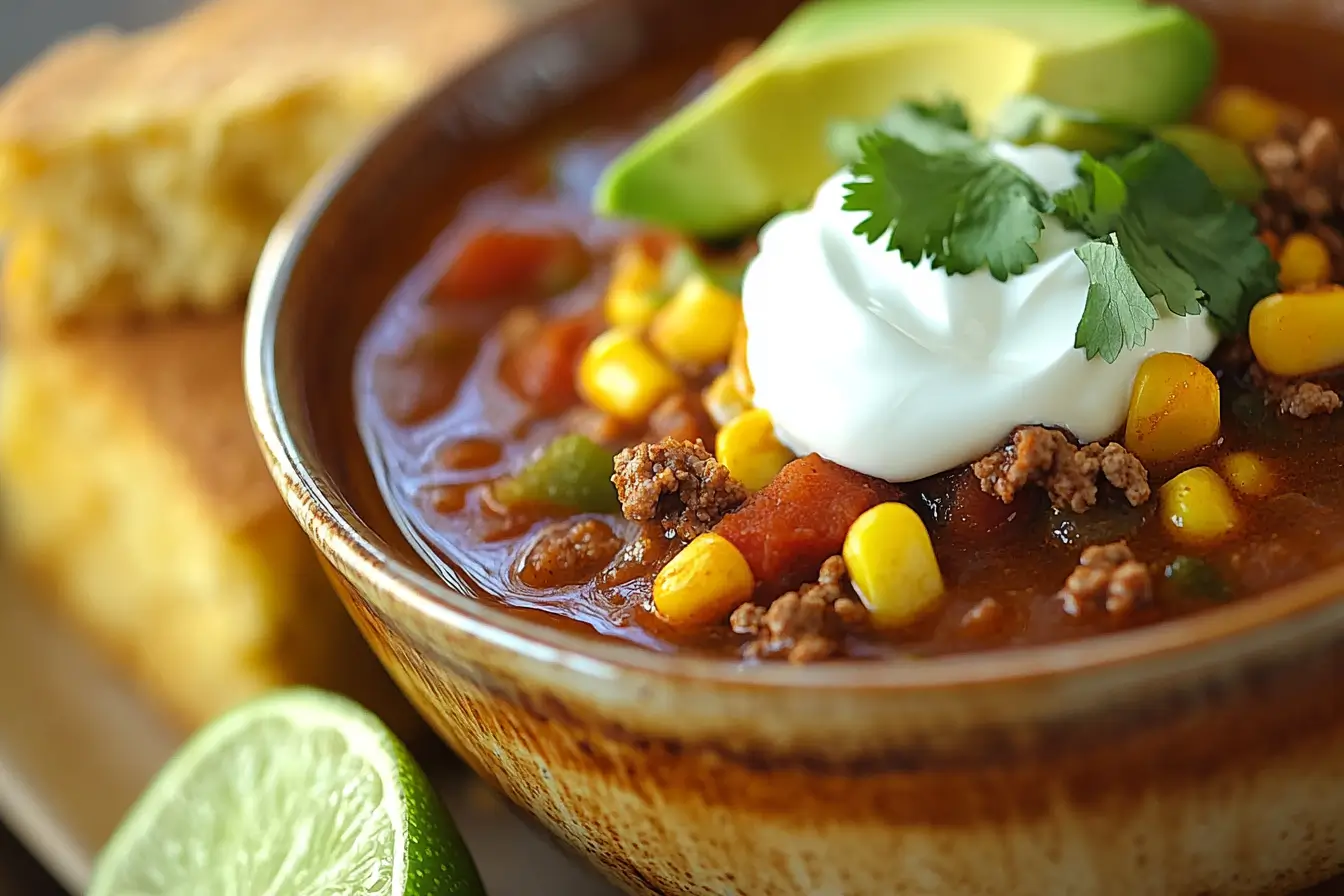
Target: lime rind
299 792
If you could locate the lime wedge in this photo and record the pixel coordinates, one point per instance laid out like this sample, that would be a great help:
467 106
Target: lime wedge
299 793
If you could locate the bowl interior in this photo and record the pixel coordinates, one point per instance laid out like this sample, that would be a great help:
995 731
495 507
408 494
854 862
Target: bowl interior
365 225
376 215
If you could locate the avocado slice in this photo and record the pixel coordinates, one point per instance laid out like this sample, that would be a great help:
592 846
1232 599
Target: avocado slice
755 142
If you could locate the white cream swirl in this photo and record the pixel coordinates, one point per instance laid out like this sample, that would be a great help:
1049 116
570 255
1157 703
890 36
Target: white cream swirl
901 371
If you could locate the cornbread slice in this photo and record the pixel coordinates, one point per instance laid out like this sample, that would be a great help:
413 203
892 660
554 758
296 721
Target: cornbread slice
133 488
142 172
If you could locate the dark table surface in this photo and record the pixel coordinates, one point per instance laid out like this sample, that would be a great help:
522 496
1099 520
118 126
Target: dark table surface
20 875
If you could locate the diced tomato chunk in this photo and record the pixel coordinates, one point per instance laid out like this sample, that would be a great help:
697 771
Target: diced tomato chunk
542 369
421 378
510 264
787 529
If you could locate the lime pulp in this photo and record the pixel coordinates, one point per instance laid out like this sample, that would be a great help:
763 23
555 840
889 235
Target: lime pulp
298 793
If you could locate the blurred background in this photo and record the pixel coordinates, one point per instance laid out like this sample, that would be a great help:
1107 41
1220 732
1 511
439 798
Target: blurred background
26 28
88 713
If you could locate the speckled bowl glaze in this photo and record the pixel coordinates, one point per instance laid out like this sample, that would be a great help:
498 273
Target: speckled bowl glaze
1200 756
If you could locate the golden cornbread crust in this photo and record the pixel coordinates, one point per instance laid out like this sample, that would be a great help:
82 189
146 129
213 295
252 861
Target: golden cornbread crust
133 488
141 173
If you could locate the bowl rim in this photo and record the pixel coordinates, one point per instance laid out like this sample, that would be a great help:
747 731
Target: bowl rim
355 547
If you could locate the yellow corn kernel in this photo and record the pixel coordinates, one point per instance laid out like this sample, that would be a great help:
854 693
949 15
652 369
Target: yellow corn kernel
737 364
1244 115
1299 333
891 564
703 583
1197 506
748 447
1303 261
722 400
620 375
1249 473
630 309
1173 409
632 295
697 325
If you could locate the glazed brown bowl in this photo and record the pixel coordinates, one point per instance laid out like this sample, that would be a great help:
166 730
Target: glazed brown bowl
1204 755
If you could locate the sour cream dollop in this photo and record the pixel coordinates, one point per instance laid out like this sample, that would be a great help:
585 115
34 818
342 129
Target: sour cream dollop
902 371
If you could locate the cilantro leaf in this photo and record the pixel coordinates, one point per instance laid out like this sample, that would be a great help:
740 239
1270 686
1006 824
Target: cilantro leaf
1161 230
1159 275
1202 232
842 138
938 192
926 128
998 223
1093 205
1103 206
1117 315
946 111
1187 244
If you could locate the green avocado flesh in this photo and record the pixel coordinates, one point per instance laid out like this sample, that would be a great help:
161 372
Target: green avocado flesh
755 143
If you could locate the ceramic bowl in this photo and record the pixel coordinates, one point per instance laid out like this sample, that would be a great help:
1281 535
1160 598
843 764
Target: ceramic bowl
1200 756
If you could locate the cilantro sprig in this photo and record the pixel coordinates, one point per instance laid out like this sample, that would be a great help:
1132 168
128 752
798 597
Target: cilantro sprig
1162 233
843 136
950 200
1118 314
1186 245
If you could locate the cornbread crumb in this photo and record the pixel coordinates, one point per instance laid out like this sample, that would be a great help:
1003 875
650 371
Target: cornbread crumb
133 489
142 173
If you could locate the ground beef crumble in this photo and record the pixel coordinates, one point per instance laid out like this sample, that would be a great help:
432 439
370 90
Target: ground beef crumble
1303 165
676 483
806 625
1297 398
1107 578
567 554
1068 473
1306 399
1124 471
